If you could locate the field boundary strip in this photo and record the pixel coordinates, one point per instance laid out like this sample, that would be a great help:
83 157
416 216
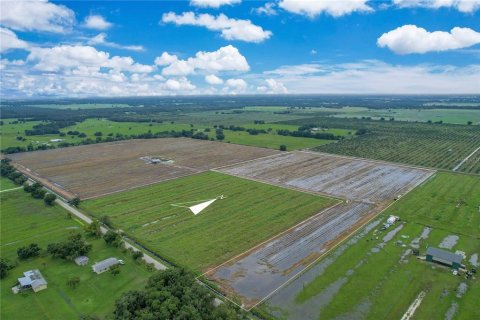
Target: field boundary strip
458 166
247 161
56 189
197 171
143 185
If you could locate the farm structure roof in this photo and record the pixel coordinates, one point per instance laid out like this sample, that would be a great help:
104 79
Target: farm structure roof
444 255
104 265
34 279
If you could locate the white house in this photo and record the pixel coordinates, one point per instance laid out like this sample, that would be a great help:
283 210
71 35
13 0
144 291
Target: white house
32 279
106 264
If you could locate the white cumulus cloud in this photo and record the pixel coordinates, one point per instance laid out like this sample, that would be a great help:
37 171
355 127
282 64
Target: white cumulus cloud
101 39
213 3
66 58
312 8
230 29
272 86
165 59
227 58
374 77
466 6
267 9
181 84
36 15
213 79
97 22
9 40
236 85
412 39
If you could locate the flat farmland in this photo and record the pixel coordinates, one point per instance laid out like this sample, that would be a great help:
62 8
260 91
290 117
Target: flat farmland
374 275
95 170
250 213
337 176
441 146
367 187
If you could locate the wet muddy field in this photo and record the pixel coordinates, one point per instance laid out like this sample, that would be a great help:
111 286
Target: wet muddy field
366 187
348 178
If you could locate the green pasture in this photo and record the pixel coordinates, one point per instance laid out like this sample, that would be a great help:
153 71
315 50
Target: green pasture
367 283
25 220
455 116
251 212
6 184
80 106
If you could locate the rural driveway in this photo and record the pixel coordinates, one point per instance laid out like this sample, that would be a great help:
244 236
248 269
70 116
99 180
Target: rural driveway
149 259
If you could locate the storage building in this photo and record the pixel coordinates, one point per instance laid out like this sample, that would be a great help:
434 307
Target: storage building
444 257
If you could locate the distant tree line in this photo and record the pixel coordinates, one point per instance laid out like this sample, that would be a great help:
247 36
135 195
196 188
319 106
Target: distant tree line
306 131
111 138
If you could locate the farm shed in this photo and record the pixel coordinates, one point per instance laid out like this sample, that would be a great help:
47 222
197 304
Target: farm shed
444 257
81 260
106 264
32 279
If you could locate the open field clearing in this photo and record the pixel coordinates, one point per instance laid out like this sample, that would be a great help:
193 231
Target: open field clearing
95 170
229 117
455 116
250 213
374 274
26 220
6 184
83 105
272 140
453 204
12 133
338 176
10 130
432 145
369 186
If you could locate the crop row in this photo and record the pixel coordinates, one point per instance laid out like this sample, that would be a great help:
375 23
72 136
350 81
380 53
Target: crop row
432 145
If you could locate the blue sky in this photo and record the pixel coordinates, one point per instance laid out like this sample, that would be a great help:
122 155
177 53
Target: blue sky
110 48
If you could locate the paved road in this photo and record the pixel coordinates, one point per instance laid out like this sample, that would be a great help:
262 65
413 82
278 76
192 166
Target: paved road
149 259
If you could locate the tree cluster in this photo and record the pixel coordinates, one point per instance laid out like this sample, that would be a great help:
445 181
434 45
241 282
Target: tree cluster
8 171
5 266
112 238
305 131
30 251
172 294
73 247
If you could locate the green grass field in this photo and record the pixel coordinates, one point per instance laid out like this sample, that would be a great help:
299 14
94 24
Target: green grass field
251 213
25 220
448 201
363 282
6 184
456 116
9 133
75 106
